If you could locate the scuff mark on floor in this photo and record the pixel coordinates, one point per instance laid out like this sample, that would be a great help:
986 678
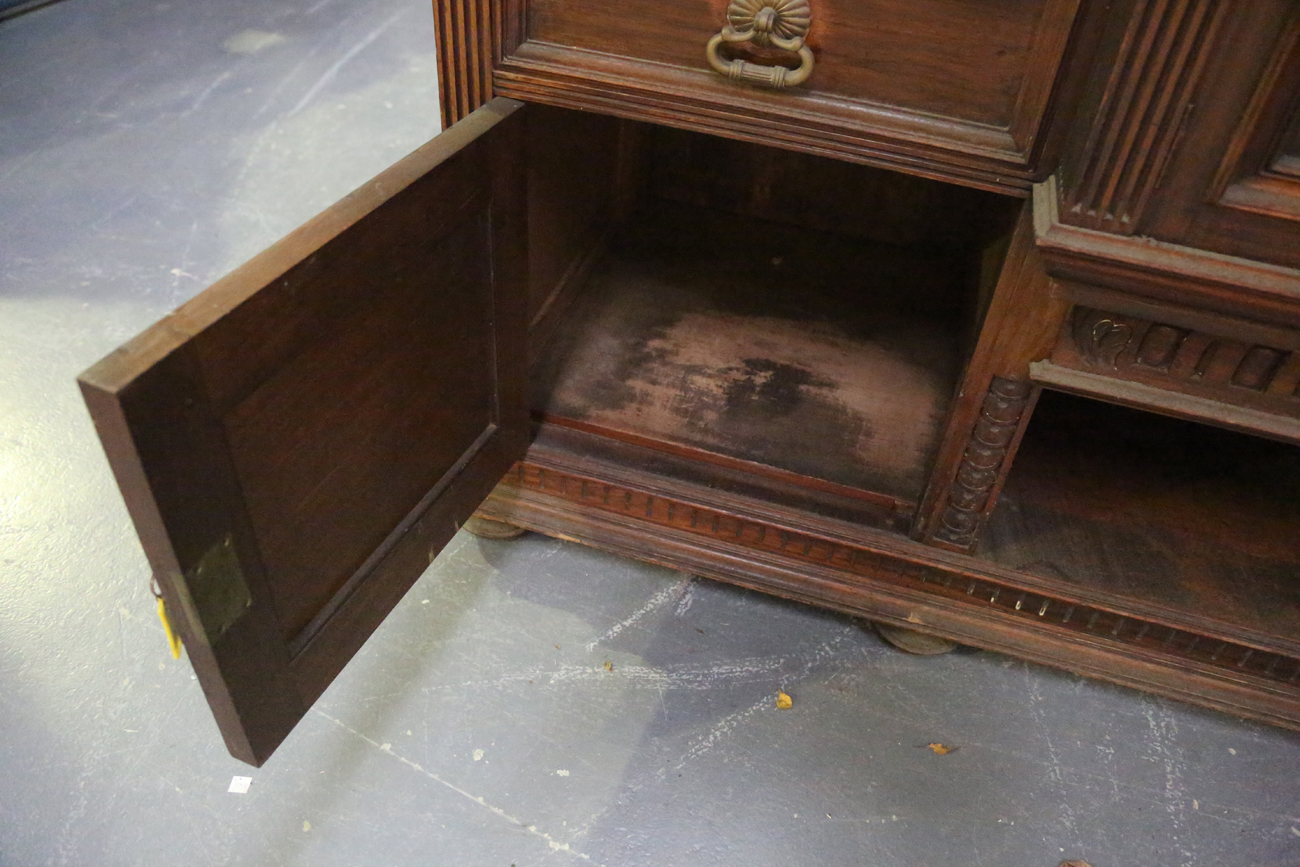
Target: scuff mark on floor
1055 770
728 724
685 598
207 91
693 676
334 68
557 845
251 41
724 727
1163 744
656 601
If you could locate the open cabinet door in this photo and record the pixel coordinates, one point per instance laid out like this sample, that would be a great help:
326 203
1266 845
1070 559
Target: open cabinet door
297 442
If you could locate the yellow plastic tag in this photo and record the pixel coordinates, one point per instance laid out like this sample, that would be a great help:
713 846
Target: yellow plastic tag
173 640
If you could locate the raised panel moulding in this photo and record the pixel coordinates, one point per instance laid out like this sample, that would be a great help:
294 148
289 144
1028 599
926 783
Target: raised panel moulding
1260 172
1187 276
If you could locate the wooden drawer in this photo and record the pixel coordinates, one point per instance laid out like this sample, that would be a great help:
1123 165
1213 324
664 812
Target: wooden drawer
944 88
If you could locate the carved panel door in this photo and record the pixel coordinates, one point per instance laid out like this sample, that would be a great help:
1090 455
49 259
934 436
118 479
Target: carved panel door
1195 138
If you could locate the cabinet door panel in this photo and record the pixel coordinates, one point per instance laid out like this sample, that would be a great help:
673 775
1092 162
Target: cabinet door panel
1193 137
297 442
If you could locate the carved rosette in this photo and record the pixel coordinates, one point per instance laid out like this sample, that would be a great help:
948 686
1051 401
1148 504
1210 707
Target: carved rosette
770 21
981 465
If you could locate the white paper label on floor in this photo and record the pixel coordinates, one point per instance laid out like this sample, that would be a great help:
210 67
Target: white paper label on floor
239 785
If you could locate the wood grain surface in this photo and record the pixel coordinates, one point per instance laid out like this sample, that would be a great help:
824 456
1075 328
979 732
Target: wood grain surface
802 352
1174 514
971 93
944 57
330 411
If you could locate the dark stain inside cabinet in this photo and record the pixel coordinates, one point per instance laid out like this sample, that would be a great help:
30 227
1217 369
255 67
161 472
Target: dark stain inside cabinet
802 319
798 352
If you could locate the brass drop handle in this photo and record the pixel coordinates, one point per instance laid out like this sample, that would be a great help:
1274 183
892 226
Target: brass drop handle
779 23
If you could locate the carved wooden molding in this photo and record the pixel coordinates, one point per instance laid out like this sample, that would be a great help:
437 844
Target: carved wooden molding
981 464
963 152
1181 355
1186 363
1185 404
1143 107
1175 273
973 588
1101 337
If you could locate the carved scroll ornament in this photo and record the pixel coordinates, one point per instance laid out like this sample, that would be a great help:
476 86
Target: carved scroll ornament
1101 336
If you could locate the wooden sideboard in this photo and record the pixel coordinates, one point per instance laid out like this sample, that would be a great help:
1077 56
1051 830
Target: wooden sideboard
788 294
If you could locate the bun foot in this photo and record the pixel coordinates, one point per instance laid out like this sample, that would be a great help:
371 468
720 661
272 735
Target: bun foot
911 641
487 528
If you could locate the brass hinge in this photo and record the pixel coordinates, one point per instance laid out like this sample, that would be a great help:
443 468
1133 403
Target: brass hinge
214 593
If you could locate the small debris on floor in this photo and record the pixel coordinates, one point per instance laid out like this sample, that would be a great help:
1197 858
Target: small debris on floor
783 701
1075 863
941 749
609 666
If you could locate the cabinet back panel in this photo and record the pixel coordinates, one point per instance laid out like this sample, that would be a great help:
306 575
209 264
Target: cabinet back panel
823 194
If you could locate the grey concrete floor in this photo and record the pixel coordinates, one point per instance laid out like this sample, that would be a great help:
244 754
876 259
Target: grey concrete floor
148 147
